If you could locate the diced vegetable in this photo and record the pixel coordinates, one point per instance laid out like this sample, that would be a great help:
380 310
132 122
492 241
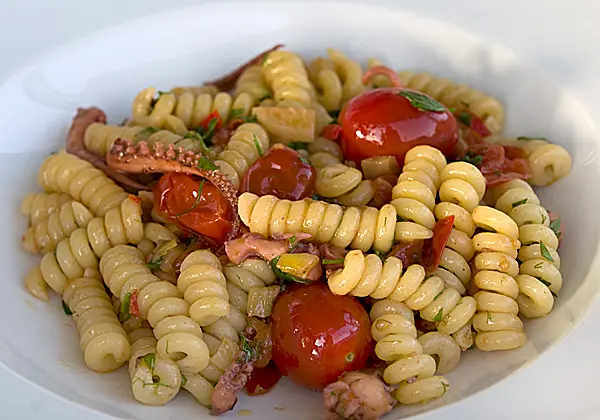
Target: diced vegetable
297 265
261 300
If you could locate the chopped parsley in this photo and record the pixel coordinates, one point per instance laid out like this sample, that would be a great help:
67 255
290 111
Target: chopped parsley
196 135
66 308
445 385
439 315
148 131
257 144
124 314
155 264
465 104
518 203
150 361
422 102
183 380
465 118
546 283
292 241
250 352
325 261
544 218
489 317
555 226
473 159
525 138
298 145
236 113
438 295
304 160
381 255
553 294
538 265
545 253
264 97
263 59
198 198
206 164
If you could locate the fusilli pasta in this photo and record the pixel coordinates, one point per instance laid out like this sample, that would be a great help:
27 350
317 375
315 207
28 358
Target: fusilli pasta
39 206
252 82
344 184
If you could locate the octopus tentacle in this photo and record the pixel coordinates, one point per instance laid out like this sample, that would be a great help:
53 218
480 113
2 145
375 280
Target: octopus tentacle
227 82
124 156
82 120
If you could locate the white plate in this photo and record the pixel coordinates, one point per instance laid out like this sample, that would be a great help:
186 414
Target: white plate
109 67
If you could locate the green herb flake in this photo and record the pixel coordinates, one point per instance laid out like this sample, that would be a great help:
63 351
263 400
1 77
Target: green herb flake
264 97
155 264
525 138
264 59
544 218
336 261
206 164
538 265
250 352
545 252
297 145
148 131
124 314
183 380
489 317
452 109
465 104
304 160
66 308
473 160
257 144
422 102
167 348
555 226
198 198
497 172
546 283
332 394
236 113
553 294
335 115
518 203
438 295
439 315
381 255
197 136
445 385
292 241
465 118
150 361
350 357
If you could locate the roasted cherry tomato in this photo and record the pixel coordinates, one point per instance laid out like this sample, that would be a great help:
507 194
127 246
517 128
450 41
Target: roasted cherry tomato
318 335
262 380
194 204
281 172
434 246
383 122
496 166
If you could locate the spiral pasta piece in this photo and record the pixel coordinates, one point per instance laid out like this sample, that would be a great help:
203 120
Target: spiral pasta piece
102 339
323 152
286 75
242 151
252 82
496 321
189 108
179 337
457 96
462 188
39 206
203 287
356 227
81 250
327 83
47 234
66 173
539 272
366 275
350 73
155 380
344 184
414 195
409 368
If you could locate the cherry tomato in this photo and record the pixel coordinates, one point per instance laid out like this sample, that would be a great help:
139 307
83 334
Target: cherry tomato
281 172
381 122
472 121
317 335
262 380
176 199
331 132
497 167
433 247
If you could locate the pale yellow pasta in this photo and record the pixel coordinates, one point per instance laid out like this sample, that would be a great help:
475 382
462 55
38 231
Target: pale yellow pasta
66 173
496 321
99 138
46 234
102 339
327 83
457 96
286 75
124 271
189 108
323 152
344 184
202 285
538 253
409 368
414 194
358 228
155 380
38 206
350 72
387 306
35 284
250 274
81 250
244 148
444 347
252 82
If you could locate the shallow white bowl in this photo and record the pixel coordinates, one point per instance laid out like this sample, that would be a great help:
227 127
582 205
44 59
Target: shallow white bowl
107 69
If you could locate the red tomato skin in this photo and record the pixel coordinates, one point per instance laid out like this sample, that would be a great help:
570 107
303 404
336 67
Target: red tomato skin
313 333
175 199
280 172
262 380
381 122
433 247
